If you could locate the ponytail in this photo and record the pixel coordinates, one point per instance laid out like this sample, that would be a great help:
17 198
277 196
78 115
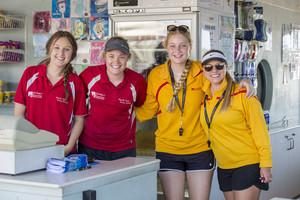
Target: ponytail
229 90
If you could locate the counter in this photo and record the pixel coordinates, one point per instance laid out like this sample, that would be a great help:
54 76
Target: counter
127 178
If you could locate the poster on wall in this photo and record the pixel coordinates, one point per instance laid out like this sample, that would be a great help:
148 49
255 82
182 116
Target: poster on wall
99 28
209 32
227 38
99 8
80 8
285 73
229 6
97 49
41 22
268 43
215 4
296 37
286 43
39 44
60 24
80 28
295 66
60 8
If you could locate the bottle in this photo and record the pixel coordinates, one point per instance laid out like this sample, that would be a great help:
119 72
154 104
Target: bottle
267 118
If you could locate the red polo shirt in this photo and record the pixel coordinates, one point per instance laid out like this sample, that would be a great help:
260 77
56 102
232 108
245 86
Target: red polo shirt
45 106
111 123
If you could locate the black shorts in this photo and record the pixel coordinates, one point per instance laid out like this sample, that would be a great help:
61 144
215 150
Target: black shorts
203 161
240 178
105 155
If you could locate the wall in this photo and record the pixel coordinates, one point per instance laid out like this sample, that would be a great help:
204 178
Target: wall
285 96
293 5
12 72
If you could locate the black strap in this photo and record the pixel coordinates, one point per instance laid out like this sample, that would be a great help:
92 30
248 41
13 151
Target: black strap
208 122
176 97
184 90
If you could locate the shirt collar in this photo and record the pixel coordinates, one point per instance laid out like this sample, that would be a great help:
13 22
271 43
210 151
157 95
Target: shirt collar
105 78
194 71
207 83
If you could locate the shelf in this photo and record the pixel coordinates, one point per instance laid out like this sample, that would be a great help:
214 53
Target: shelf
10 55
11 22
8 105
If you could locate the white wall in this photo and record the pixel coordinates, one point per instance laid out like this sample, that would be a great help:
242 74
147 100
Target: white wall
285 96
287 4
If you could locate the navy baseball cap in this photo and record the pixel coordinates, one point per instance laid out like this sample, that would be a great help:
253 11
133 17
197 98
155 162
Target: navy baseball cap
117 44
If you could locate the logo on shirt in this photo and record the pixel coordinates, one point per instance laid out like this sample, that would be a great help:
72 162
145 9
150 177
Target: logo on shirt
124 101
62 100
97 95
196 89
35 94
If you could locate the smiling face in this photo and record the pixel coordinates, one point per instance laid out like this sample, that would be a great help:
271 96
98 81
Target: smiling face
215 76
116 62
61 52
178 48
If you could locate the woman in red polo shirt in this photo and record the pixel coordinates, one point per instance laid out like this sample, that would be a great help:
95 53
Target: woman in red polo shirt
113 92
51 96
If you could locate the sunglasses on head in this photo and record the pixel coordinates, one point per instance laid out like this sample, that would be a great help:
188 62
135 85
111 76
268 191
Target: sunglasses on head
181 28
219 66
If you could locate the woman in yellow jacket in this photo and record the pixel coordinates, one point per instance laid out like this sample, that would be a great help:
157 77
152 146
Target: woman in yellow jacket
180 140
236 131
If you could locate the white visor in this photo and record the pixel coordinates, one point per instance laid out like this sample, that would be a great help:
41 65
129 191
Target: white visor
213 56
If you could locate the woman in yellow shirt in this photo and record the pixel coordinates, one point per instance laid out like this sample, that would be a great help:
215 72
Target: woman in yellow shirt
180 140
236 131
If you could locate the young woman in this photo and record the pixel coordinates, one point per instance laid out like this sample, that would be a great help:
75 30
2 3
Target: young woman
113 92
237 131
181 143
51 96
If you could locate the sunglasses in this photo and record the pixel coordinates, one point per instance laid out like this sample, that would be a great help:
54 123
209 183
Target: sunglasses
219 66
181 28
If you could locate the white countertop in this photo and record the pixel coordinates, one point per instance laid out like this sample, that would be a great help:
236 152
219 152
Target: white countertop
109 171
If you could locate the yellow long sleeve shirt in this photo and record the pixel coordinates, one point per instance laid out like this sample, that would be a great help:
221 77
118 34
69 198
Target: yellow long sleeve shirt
238 136
159 93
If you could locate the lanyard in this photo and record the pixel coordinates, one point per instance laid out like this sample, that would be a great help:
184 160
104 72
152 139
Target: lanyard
177 99
212 115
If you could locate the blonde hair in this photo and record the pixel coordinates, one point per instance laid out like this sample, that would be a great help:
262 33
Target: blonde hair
68 68
171 105
230 86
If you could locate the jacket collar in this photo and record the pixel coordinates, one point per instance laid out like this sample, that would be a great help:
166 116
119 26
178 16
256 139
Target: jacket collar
207 84
194 71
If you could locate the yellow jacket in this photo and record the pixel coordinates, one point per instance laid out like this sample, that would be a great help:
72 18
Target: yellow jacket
159 93
239 136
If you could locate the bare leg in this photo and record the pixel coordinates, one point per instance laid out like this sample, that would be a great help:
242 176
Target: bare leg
229 195
199 184
251 193
173 184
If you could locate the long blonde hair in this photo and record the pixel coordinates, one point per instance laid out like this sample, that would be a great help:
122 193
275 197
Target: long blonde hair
171 105
228 97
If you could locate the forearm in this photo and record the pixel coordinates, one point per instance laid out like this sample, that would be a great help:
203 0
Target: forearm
19 110
75 132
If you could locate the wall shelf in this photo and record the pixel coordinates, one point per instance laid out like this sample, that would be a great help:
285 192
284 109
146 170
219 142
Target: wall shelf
11 22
